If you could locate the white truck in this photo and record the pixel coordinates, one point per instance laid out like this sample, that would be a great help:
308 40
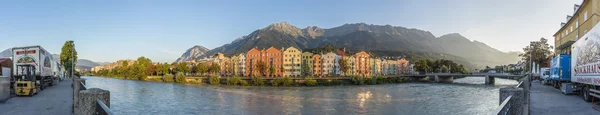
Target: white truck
40 59
585 63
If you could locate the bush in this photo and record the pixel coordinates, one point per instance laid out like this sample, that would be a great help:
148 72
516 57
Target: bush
154 79
236 81
258 81
358 80
371 81
168 78
195 81
310 82
180 78
215 80
284 81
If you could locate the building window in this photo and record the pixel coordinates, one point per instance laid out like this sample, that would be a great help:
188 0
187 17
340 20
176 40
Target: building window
577 24
585 15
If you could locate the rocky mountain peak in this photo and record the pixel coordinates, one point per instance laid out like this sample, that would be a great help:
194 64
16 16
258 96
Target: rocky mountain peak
195 52
284 27
313 31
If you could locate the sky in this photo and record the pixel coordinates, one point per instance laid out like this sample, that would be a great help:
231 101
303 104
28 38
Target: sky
111 30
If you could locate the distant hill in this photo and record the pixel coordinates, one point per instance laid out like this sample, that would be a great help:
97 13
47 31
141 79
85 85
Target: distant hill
377 38
197 52
83 64
6 53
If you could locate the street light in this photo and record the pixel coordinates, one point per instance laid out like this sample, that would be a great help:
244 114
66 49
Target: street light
72 58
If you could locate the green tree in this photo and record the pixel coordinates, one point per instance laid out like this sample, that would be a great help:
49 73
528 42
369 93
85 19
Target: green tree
306 69
215 68
271 71
140 68
444 69
344 66
201 68
68 56
541 52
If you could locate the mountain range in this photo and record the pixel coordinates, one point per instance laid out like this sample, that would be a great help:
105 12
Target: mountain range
361 36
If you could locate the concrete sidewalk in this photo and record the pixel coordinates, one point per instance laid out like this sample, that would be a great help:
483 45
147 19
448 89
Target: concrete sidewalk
545 100
55 100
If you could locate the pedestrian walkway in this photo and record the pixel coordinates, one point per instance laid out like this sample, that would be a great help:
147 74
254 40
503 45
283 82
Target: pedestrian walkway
55 100
545 100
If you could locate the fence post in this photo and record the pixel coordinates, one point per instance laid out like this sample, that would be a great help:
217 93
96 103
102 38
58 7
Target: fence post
517 102
76 88
87 101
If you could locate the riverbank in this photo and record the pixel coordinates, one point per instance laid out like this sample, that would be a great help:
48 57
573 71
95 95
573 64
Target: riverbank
276 82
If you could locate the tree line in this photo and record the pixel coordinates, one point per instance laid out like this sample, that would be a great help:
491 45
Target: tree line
439 66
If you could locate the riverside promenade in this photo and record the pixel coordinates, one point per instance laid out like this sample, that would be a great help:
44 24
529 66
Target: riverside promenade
545 100
55 100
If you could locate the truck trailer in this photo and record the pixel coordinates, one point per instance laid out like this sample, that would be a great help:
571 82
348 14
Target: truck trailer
585 66
41 63
560 70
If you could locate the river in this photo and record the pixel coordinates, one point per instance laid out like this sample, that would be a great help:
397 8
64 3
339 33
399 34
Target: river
467 96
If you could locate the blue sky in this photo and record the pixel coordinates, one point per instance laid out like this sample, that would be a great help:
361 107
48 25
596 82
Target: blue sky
110 30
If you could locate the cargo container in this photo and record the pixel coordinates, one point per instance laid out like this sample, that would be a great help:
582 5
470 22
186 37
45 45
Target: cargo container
39 58
585 76
560 70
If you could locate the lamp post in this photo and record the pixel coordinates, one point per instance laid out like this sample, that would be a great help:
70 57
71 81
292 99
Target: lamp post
72 58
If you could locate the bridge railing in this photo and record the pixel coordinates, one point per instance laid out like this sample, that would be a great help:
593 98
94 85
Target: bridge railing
101 107
518 100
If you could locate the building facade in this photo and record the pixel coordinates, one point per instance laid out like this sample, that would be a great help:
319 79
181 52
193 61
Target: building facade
403 66
241 65
351 61
253 57
317 65
363 67
307 64
292 61
585 17
274 59
330 64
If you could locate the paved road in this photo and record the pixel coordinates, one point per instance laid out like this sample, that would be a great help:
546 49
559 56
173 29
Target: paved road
545 100
55 100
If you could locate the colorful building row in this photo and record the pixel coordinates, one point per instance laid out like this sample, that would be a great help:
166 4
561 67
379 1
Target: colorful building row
292 62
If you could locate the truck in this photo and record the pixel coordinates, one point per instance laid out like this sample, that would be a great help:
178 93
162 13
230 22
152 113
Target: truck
585 67
40 61
560 70
545 75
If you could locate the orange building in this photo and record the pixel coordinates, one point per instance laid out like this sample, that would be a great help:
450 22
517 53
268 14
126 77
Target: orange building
253 56
271 57
363 67
317 65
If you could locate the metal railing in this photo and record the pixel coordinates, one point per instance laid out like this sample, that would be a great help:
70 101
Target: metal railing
504 108
101 108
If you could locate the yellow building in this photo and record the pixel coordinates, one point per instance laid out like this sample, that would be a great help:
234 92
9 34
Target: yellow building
291 62
585 16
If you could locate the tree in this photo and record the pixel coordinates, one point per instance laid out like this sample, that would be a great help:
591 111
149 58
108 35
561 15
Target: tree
305 68
140 67
271 71
163 69
444 69
262 67
215 68
541 52
68 56
202 68
344 66
182 68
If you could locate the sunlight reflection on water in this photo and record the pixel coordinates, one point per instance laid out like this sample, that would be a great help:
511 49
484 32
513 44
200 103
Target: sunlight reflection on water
463 97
